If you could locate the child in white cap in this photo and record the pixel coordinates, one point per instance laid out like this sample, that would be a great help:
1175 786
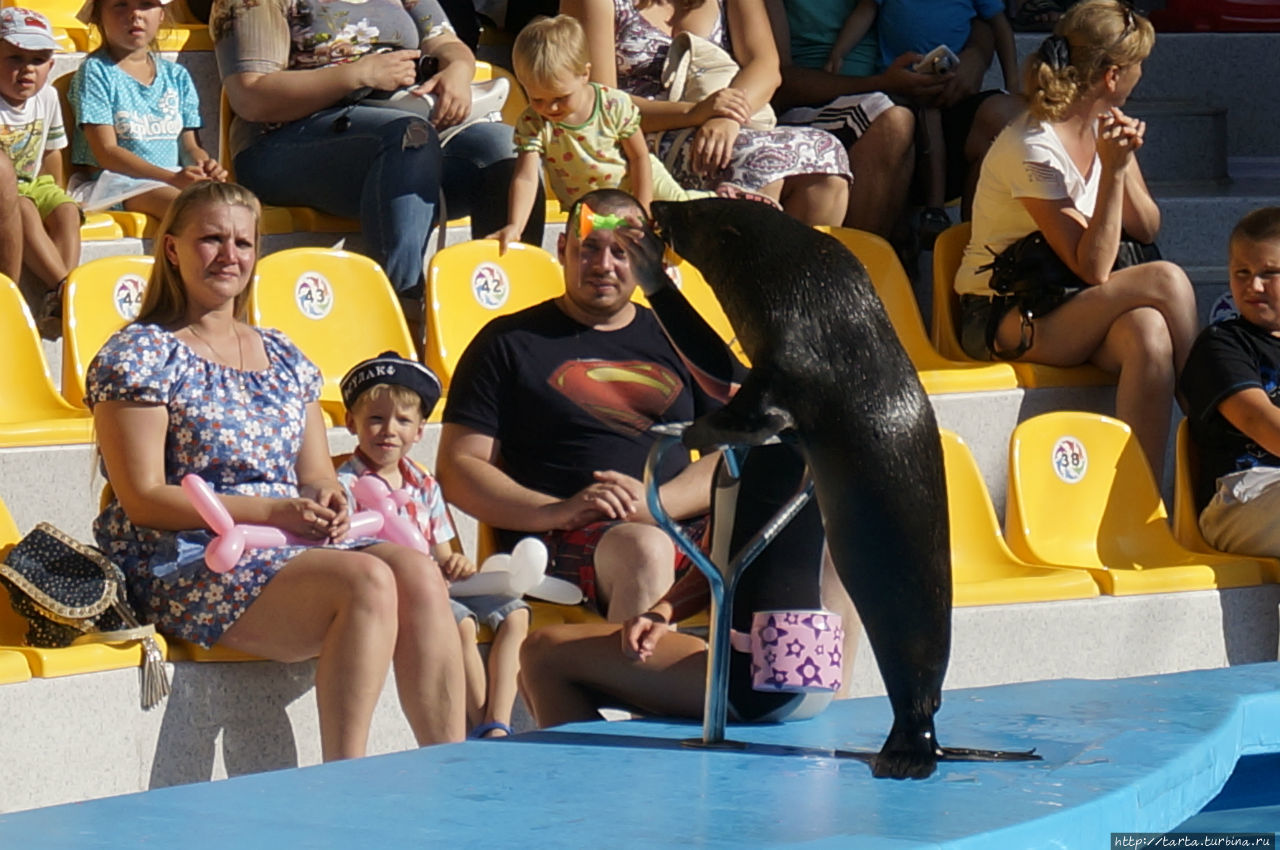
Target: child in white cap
32 134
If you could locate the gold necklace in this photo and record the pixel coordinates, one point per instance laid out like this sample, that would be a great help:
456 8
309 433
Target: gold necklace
243 393
217 355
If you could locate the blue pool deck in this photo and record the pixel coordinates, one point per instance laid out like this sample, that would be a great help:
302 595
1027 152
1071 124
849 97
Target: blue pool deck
1124 755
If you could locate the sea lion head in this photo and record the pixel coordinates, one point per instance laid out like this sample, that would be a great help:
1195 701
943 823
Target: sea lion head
762 263
709 232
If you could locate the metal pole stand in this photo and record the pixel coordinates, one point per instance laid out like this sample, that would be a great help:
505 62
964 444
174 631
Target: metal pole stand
723 578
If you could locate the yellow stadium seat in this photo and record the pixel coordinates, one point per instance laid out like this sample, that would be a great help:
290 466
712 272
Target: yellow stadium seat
13 666
1082 495
983 570
182 650
947 252
99 226
32 413
181 31
337 307
937 373
1186 519
51 663
469 284
101 297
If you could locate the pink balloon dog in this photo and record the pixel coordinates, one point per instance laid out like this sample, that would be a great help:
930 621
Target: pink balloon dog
373 494
231 539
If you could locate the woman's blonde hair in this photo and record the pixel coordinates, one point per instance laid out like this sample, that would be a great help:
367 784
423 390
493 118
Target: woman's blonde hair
550 48
1091 37
165 298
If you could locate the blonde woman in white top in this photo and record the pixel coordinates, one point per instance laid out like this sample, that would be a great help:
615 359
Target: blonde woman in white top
1068 168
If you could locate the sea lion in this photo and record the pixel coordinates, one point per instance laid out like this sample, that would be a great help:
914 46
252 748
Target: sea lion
827 363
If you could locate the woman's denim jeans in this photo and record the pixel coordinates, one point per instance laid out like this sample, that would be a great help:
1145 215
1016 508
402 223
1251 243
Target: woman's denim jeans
384 167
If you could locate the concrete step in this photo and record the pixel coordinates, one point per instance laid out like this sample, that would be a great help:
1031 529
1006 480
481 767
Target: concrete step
1185 140
1229 70
1198 215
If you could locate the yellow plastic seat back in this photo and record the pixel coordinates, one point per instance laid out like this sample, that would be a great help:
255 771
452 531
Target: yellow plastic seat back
1080 491
1081 494
179 31
984 571
32 412
1186 519
12 626
948 250
337 307
13 666
937 373
101 297
469 284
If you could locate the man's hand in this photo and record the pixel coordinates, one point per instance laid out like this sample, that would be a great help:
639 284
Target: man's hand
899 79
613 495
965 80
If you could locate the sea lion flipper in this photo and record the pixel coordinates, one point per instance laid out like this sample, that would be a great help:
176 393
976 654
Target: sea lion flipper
750 418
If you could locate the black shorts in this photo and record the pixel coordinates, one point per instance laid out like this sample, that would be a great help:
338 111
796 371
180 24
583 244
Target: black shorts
957 121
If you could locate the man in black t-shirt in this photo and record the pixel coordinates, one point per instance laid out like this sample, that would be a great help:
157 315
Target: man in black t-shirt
546 425
1232 385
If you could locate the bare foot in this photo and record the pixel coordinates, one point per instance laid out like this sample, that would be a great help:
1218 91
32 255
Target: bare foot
742 193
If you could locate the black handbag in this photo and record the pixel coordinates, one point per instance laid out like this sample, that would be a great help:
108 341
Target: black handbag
1030 276
70 593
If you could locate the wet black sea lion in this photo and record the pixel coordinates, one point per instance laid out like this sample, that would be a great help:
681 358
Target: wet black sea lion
827 363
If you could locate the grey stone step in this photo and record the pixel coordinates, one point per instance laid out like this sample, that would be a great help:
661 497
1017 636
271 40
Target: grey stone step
1199 215
1234 71
1185 140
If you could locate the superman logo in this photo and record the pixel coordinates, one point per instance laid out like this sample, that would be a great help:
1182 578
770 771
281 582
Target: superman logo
628 396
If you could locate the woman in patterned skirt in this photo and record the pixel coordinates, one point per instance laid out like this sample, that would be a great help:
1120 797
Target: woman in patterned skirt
806 170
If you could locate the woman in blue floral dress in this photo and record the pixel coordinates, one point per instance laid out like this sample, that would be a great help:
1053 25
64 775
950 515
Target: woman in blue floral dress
806 170
189 387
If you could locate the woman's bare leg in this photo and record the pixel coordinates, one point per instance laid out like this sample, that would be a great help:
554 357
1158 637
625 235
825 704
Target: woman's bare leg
1140 323
340 606
472 671
1140 349
504 666
428 654
816 198
568 671
1072 333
